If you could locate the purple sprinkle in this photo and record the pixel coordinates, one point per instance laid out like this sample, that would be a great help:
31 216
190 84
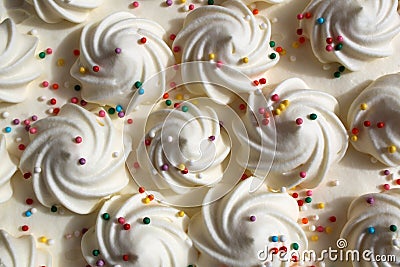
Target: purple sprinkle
27 127
169 2
211 138
83 103
100 263
121 114
386 172
252 218
82 161
118 50
165 167
16 121
370 200
34 118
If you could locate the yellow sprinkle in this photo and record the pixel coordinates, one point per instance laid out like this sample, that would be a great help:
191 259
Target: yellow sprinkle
42 239
181 166
82 70
314 238
211 56
295 45
363 106
183 1
392 149
179 97
195 102
286 102
354 138
245 60
181 213
283 52
328 229
278 111
321 205
282 106
146 200
293 188
61 62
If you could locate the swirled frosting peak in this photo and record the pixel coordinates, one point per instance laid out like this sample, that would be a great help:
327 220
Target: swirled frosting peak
118 54
309 135
21 252
372 229
17 62
75 11
7 170
235 230
374 119
351 32
129 232
76 159
228 35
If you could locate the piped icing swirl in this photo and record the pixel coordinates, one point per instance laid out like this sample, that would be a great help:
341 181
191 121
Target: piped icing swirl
7 170
374 119
21 252
76 159
309 135
230 36
118 54
232 230
54 11
372 226
360 30
129 232
17 62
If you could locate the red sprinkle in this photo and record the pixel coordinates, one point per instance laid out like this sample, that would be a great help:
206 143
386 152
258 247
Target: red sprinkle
255 11
96 68
55 86
125 257
49 51
295 195
380 124
141 190
302 40
76 52
143 40
127 226
263 81
25 228
332 219
74 100
255 82
308 15
355 131
130 121
299 31
56 111
27 175
21 147
53 101
300 202
29 201
367 123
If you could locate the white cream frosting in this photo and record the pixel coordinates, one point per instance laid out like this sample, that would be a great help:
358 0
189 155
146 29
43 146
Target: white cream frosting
17 62
161 242
382 105
229 33
247 2
7 170
193 140
224 233
367 28
378 211
114 83
311 147
54 11
21 252
54 159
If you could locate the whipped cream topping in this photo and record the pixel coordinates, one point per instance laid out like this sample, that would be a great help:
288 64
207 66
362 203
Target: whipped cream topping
184 151
232 230
359 31
129 232
75 11
17 62
230 36
307 139
247 2
7 170
117 55
372 225
374 119
21 252
76 159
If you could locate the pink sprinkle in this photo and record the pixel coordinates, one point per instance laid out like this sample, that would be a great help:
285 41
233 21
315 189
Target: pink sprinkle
135 4
309 193
27 122
49 51
265 121
329 40
275 97
177 49
74 100
300 16
136 165
191 7
121 220
329 48
340 38
102 113
172 84
32 130
219 64
299 121
78 139
320 229
45 83
176 67
386 186
303 174
261 110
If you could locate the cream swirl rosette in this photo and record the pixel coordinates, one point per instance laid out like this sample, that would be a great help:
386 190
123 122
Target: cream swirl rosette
129 232
53 11
17 62
76 159
21 252
374 119
351 32
7 170
309 135
235 230
372 229
117 55
228 35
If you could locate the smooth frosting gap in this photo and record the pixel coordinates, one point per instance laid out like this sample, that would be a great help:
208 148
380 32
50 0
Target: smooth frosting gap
76 159
7 170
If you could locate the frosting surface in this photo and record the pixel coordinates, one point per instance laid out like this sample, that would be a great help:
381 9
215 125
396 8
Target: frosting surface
21 252
374 117
126 51
309 135
7 170
360 30
226 233
156 236
75 158
371 219
17 62
228 35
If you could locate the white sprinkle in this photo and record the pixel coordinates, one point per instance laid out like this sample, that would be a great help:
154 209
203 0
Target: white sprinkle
283 189
186 8
283 238
373 160
335 183
68 236
322 264
50 110
115 154
37 170
303 208
33 210
326 67
315 217
311 228
247 17
5 114
268 264
33 32
42 98
274 20
191 161
152 134
200 175
169 139
263 26
396 242
293 58
253 6
77 233
18 139
50 242
258 92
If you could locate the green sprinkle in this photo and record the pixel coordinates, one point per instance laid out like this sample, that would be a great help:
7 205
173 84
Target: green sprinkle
146 220
271 43
272 56
111 111
313 116
336 74
53 208
210 2
308 199
168 102
338 47
42 55
393 228
77 87
185 108
96 252
342 68
138 84
295 246
106 216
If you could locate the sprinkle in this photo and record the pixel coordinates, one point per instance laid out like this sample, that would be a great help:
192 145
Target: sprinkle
314 238
28 213
100 263
181 213
135 4
354 138
313 116
363 106
33 210
302 174
37 170
53 101
82 161
308 199
181 166
96 252
340 38
82 70
321 205
146 220
127 226
320 229
32 130
169 2
274 238
315 217
121 220
380 124
342 68
7 129
42 239
304 220
272 56
146 200
336 74
308 15
392 149
370 200
42 55
300 16
50 242
78 139
252 218
211 138
283 238
165 167
105 216
338 47
320 20
53 208
29 201
328 229
311 228
386 172
125 257
245 60
60 62
295 246
271 43
393 228
111 111
191 7
143 40
118 50
371 230
386 186
185 108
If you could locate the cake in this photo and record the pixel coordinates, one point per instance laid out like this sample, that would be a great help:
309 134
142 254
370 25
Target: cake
198 133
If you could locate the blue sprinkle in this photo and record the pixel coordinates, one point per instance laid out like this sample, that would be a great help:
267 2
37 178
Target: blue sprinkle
320 20
141 91
371 230
274 238
28 213
7 129
118 108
